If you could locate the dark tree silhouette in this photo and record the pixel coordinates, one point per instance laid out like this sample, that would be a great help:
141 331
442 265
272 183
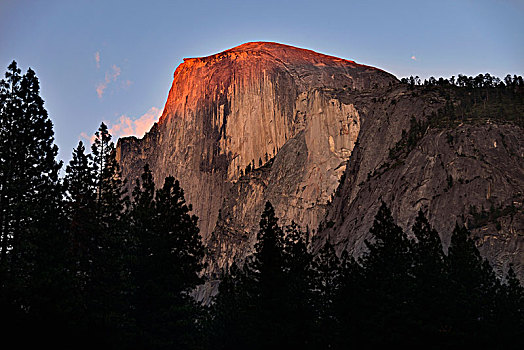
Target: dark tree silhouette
107 299
471 290
429 281
509 322
327 274
387 281
166 265
79 184
34 278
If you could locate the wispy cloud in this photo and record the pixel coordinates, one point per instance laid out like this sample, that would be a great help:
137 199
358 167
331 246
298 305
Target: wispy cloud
115 72
97 59
87 138
100 89
126 126
413 58
111 76
127 83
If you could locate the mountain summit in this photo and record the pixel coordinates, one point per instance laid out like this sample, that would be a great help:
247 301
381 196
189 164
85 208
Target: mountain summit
233 111
326 140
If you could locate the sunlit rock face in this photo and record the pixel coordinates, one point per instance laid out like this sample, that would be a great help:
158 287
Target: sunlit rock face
257 108
270 122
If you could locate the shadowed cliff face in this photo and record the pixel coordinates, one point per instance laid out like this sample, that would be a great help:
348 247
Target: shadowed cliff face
454 174
237 110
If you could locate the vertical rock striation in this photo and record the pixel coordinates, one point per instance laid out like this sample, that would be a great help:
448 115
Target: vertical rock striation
266 121
234 112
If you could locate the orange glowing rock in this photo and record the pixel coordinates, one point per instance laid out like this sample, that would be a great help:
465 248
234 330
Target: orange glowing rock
237 109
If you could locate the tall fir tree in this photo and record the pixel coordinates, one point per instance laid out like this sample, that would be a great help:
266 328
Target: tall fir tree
79 180
80 208
268 302
327 275
387 281
79 183
166 265
111 195
259 290
471 291
109 277
11 112
509 321
179 228
267 274
34 274
28 171
429 283
297 295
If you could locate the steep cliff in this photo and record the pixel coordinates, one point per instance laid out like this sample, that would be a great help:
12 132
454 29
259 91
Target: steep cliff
471 174
313 134
235 111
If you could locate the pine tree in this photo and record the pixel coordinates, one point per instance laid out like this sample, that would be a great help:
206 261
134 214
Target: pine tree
110 187
258 290
297 295
266 272
142 215
179 228
33 263
510 313
387 283
429 282
167 263
107 291
327 274
79 179
10 113
472 288
28 171
268 301
141 259
79 184
80 209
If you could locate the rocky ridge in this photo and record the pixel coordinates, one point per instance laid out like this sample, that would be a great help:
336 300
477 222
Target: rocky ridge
312 134
232 112
461 174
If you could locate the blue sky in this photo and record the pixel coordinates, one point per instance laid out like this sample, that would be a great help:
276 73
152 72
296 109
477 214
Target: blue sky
113 61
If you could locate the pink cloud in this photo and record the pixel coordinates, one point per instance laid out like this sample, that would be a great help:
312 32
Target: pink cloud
110 77
89 139
127 83
126 126
100 89
97 59
113 74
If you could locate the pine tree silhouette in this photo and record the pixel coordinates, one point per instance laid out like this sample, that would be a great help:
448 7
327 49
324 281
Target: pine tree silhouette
166 265
34 278
387 282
